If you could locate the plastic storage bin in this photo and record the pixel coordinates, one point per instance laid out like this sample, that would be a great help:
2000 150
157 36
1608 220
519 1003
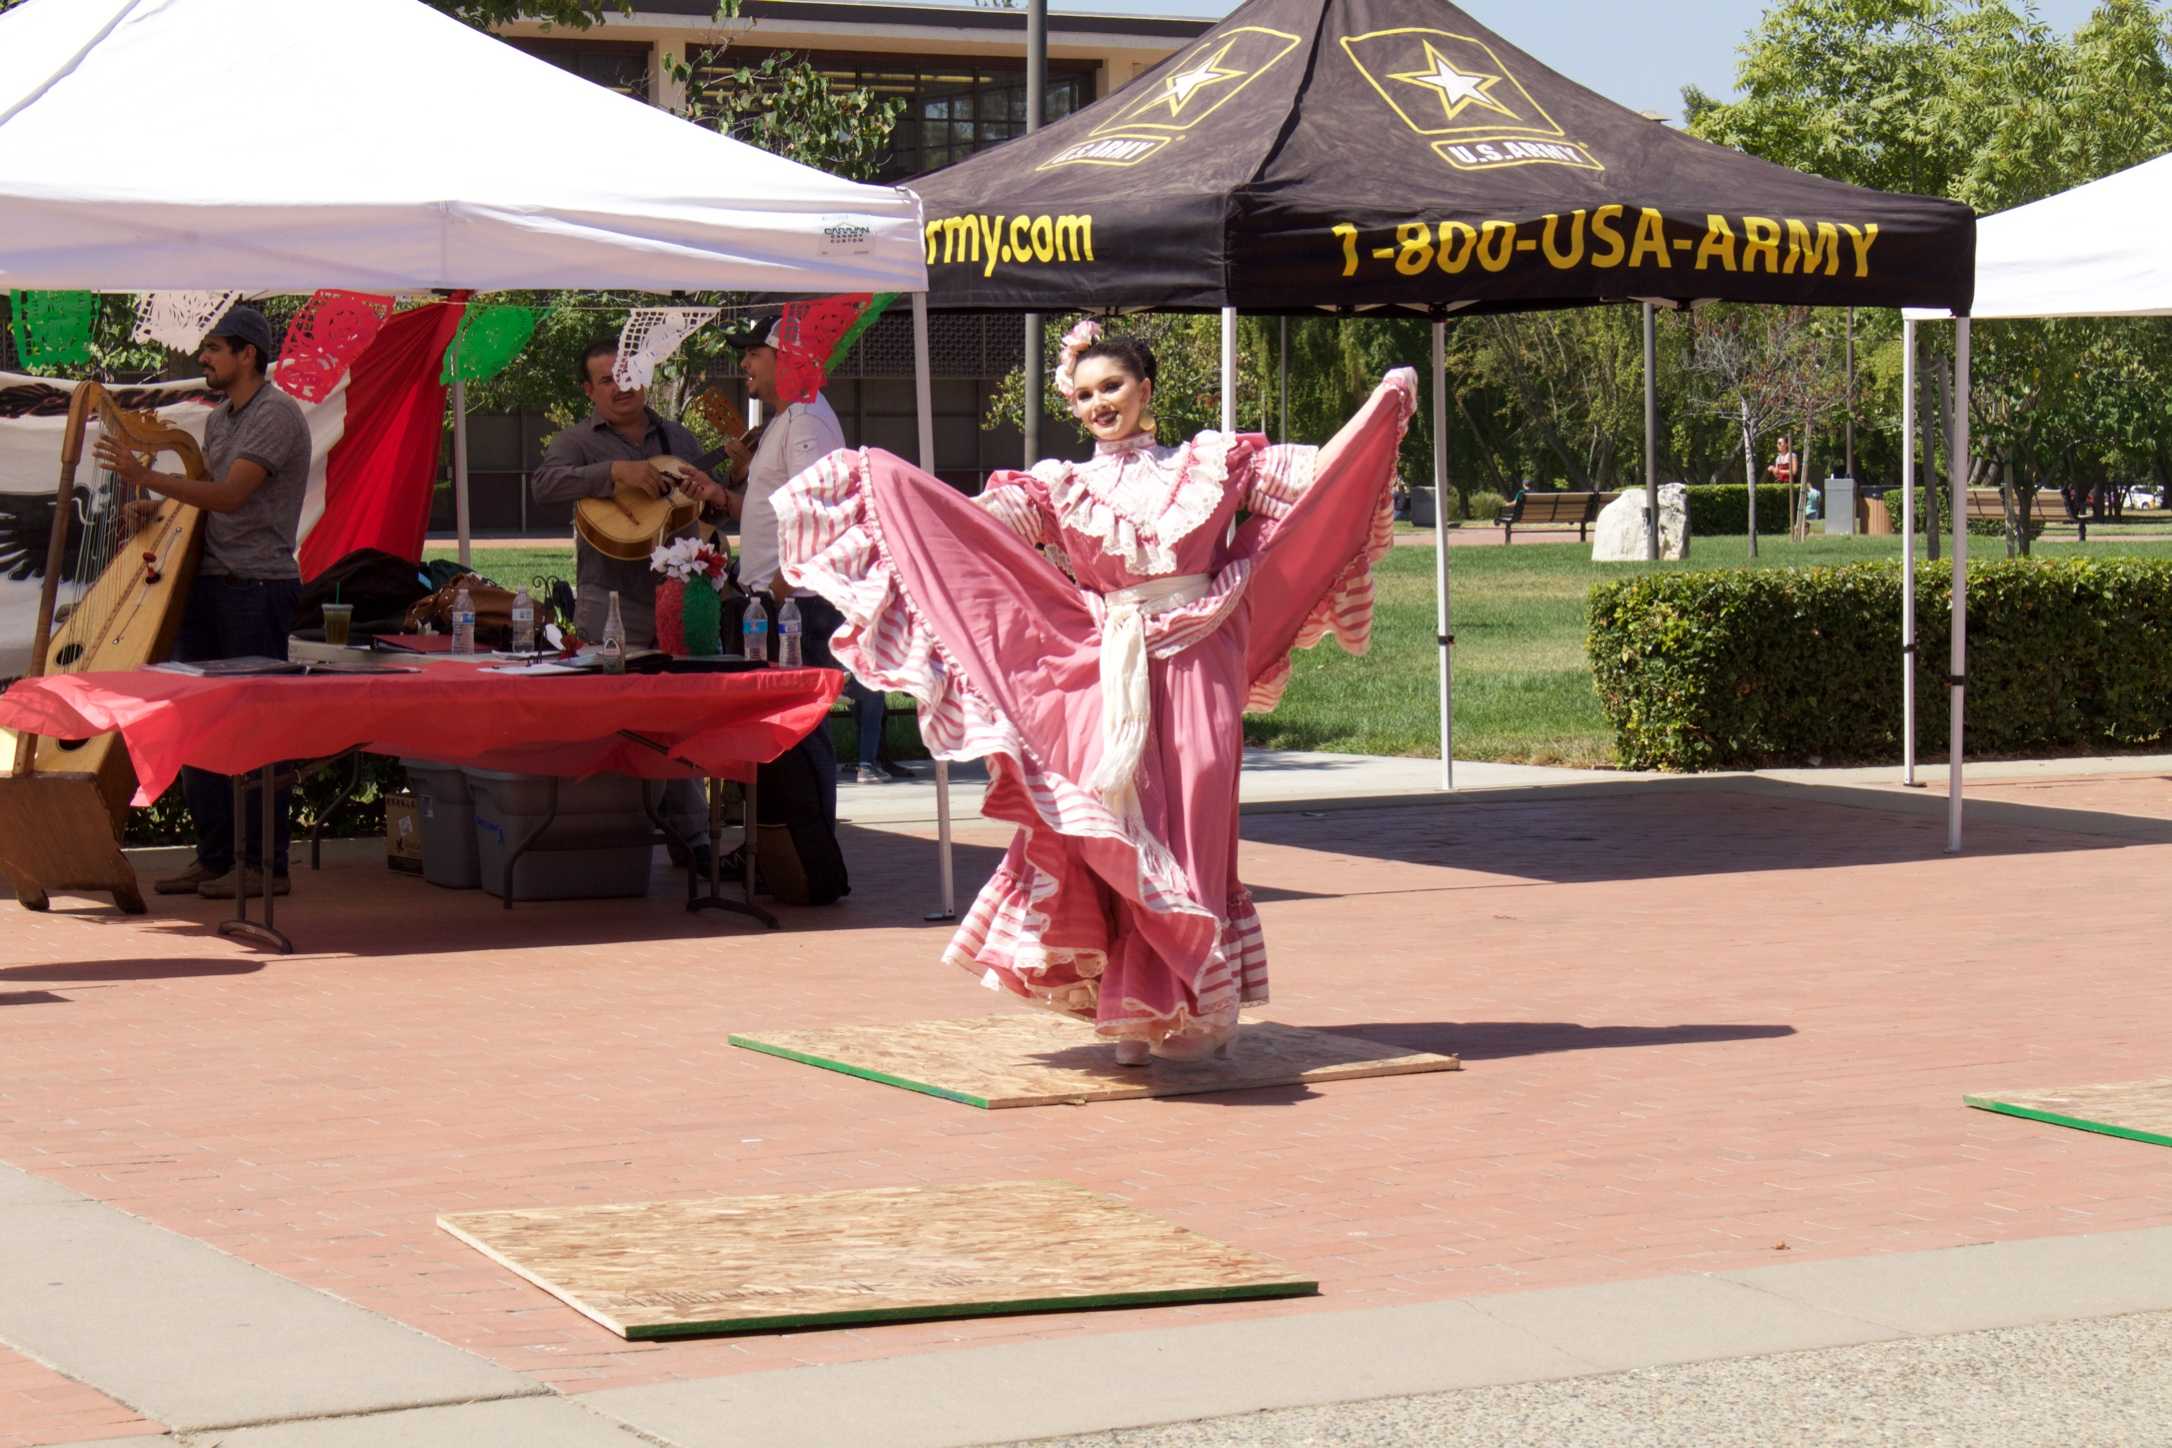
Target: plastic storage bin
448 823
599 844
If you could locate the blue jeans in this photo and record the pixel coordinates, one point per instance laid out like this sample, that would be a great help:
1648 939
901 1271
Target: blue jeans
867 711
229 618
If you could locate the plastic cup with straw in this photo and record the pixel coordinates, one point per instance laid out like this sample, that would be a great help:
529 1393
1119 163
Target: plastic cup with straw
337 616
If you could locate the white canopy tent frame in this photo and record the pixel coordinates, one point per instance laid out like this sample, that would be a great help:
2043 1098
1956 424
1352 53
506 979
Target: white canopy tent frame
1957 674
2097 250
586 188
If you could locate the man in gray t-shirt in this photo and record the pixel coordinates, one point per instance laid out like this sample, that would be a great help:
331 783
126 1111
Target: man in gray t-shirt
256 451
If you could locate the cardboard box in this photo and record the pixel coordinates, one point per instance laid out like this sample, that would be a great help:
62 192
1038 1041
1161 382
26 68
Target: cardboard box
403 834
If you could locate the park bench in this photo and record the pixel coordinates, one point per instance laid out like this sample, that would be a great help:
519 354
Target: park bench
1551 510
2046 508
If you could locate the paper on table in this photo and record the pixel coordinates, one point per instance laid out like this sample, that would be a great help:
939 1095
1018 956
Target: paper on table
546 667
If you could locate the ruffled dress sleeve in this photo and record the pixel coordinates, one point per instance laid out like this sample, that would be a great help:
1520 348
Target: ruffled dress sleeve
1323 517
1019 501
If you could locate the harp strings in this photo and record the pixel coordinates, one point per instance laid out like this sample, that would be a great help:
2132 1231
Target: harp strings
96 597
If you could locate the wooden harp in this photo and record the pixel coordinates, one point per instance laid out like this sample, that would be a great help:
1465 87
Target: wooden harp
62 805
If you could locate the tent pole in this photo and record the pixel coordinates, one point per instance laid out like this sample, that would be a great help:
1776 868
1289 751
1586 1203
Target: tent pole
1651 434
1034 387
1229 369
1282 372
1440 557
1851 393
1958 681
924 404
1908 553
460 459
1036 88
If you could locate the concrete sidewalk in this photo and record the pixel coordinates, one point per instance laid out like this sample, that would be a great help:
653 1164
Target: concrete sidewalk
2024 1342
1281 778
1271 778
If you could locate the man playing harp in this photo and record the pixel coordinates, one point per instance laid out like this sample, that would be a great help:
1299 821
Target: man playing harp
256 450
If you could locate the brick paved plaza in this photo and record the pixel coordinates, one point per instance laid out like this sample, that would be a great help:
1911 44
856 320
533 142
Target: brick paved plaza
1706 1023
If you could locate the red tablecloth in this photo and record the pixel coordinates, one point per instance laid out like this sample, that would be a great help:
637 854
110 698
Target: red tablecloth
721 725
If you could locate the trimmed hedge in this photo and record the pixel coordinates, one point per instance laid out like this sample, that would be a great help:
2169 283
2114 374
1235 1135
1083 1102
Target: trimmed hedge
1756 668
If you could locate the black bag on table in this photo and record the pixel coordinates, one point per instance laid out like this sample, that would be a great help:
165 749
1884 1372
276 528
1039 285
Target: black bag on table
380 585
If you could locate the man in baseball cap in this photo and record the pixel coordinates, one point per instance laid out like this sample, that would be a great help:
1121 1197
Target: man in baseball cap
256 455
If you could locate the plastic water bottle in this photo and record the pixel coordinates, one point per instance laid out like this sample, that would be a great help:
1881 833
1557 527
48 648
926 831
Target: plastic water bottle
754 630
463 640
612 650
789 653
523 622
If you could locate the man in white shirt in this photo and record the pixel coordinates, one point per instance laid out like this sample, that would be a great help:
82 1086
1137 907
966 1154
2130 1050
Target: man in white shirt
794 437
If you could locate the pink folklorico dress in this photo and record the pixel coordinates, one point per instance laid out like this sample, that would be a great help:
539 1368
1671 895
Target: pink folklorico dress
1109 708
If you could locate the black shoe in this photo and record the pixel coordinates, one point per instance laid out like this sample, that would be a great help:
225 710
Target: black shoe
734 866
894 769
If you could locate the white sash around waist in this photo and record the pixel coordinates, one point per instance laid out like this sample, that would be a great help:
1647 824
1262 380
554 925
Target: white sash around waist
1125 704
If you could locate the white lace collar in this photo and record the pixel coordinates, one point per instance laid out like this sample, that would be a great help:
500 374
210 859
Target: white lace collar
1139 500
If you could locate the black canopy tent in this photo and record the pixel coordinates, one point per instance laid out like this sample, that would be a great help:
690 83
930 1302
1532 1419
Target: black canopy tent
1367 153
1359 155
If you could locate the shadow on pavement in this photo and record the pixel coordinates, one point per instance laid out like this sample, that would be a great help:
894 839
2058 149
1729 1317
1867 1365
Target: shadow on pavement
1496 1040
84 972
1671 828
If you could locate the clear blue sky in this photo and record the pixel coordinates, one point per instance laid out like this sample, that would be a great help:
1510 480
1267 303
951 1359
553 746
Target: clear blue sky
1639 54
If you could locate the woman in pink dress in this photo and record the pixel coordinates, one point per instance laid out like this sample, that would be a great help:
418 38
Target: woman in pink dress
1096 632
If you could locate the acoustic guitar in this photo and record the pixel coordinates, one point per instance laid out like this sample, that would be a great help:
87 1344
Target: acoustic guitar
629 525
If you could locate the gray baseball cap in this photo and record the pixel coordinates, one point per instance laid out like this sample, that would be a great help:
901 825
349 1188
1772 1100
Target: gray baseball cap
247 324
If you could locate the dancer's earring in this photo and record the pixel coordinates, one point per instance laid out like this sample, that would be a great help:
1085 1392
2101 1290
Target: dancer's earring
1148 422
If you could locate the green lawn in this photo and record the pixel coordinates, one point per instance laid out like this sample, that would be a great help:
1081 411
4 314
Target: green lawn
1523 690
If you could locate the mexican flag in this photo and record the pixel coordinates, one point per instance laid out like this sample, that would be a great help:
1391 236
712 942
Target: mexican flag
374 450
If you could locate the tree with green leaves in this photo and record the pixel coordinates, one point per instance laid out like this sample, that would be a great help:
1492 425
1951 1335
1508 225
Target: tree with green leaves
1984 103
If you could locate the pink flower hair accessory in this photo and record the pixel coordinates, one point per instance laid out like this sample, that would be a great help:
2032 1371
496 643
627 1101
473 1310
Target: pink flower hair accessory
1075 341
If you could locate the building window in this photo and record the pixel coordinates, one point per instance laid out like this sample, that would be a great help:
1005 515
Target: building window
620 65
953 107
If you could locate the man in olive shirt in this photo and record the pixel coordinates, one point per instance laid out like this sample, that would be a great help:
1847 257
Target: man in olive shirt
608 450
256 450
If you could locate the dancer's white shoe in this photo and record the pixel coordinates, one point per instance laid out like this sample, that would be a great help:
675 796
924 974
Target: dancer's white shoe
1133 1053
1202 1046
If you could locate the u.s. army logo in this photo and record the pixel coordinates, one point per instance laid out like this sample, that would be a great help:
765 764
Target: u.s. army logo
1454 91
1198 85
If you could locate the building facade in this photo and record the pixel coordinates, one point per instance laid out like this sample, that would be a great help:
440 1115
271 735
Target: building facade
961 75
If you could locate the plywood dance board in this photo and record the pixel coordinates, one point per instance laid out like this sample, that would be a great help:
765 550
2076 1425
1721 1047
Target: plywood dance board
2136 1110
761 1264
1034 1059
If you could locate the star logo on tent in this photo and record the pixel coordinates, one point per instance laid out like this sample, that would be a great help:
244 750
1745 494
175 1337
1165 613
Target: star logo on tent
1458 90
1178 90
1462 97
1197 85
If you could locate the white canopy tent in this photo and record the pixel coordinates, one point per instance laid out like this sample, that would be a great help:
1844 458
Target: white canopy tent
2099 250
378 145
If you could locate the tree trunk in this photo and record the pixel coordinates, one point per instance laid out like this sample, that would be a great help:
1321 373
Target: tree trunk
1488 457
1749 471
1956 485
1802 483
1926 418
2014 506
